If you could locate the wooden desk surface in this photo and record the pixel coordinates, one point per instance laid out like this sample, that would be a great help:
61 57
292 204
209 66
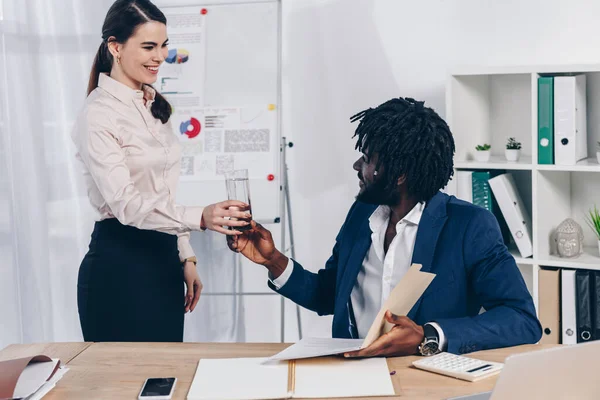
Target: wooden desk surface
118 370
65 351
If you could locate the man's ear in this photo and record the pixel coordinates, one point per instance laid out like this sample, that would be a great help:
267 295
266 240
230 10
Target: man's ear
401 179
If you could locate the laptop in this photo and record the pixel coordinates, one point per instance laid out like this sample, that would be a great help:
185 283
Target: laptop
565 372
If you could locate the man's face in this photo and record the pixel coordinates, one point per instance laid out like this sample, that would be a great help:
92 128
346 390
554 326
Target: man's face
372 186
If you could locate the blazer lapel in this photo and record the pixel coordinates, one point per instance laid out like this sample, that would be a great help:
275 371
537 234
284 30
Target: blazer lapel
432 222
361 244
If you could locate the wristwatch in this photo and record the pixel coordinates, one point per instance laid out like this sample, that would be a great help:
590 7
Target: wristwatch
431 342
191 259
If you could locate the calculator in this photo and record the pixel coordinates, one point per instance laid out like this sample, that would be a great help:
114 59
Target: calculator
461 367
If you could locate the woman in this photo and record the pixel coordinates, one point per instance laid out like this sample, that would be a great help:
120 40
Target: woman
130 285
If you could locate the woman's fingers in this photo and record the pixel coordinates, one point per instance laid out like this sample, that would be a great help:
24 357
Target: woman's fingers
229 222
190 295
233 203
197 290
238 214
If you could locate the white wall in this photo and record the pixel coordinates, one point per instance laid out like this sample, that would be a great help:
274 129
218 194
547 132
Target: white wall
341 56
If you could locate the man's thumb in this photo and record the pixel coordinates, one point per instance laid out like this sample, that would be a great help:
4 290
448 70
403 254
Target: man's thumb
394 319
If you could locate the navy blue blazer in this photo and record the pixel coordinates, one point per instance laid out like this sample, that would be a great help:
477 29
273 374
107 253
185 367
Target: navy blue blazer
461 244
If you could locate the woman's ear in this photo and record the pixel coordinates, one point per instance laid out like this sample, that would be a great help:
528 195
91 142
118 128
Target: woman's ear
114 47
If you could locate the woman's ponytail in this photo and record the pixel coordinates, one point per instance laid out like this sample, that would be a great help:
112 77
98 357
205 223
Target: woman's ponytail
161 108
102 63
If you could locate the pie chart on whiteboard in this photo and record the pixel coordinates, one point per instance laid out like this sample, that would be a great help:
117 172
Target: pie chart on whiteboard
190 128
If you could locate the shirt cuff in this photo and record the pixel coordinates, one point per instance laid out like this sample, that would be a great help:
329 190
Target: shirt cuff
192 217
442 338
185 248
284 277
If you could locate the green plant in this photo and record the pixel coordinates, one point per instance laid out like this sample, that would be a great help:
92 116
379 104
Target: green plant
484 147
512 144
593 220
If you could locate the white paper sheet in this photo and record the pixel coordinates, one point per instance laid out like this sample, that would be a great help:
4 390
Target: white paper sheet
239 378
401 300
317 347
48 386
338 377
33 377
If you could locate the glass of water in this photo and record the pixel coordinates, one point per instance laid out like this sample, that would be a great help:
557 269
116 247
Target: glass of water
238 188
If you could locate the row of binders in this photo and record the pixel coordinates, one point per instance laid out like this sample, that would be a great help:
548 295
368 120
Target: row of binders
569 305
497 192
562 121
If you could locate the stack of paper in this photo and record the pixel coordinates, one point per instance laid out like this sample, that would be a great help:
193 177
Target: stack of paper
255 378
29 378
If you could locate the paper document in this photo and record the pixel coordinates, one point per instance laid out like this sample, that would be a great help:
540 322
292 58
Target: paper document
401 300
317 378
49 385
330 377
34 376
239 378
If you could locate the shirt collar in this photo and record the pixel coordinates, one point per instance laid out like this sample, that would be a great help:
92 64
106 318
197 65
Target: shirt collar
123 92
381 216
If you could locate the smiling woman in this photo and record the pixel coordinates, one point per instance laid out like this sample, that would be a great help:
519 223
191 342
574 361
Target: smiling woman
131 281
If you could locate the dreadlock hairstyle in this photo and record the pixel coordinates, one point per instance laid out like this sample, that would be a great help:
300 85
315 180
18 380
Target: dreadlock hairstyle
410 140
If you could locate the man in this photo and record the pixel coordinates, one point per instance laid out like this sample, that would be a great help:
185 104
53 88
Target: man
401 217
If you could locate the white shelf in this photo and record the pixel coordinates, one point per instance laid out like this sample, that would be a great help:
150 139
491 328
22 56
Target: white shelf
523 69
496 162
520 260
587 165
588 260
489 104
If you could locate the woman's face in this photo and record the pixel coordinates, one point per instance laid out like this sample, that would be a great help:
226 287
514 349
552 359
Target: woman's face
143 53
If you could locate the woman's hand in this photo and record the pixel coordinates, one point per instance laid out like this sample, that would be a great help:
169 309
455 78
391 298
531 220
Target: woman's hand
227 213
194 286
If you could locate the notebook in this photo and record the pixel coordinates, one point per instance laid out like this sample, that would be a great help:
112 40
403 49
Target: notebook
30 377
254 378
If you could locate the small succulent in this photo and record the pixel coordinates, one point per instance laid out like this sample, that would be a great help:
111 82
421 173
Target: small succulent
512 144
484 147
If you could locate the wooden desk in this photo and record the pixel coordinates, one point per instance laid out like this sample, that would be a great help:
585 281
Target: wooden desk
118 370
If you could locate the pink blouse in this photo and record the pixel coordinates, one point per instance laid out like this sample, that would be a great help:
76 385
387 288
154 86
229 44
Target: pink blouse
132 162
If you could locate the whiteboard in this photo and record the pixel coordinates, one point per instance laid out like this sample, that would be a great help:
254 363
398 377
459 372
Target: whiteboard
242 69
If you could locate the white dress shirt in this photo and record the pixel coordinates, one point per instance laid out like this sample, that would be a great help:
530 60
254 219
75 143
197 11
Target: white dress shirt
380 272
132 162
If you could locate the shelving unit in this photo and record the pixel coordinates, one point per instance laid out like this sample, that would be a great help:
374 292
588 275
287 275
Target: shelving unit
491 104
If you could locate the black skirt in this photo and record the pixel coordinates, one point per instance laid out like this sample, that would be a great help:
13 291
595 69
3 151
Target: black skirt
130 286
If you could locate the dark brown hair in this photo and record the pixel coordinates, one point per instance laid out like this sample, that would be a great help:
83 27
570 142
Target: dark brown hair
121 21
409 139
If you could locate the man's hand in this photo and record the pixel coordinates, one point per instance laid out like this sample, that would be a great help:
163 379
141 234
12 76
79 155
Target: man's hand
403 340
257 245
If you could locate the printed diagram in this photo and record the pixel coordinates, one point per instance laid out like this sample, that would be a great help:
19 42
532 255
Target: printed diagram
190 128
178 56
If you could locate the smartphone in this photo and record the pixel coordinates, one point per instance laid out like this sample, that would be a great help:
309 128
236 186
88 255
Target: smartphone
157 389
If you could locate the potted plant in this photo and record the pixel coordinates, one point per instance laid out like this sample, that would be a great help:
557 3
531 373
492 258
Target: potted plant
513 150
483 152
593 220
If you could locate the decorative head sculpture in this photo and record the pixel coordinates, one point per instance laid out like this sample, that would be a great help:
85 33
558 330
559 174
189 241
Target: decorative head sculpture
569 238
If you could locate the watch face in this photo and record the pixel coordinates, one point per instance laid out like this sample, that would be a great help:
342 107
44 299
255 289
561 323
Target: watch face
429 348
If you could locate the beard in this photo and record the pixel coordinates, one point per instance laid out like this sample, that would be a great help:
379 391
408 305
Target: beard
375 193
